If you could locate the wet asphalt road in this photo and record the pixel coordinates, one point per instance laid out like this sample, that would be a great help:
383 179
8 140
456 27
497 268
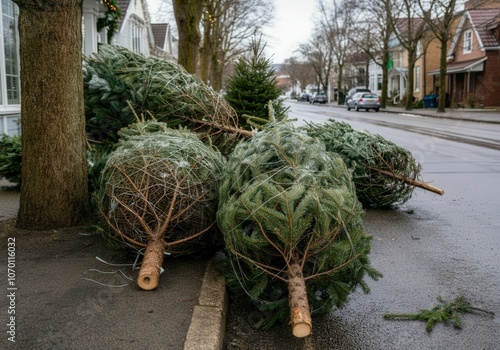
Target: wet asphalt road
429 247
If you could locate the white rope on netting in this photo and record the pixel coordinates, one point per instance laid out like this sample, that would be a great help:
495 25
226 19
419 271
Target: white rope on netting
134 266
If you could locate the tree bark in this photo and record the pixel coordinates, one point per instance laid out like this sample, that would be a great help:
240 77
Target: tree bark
442 77
188 16
205 49
54 189
411 79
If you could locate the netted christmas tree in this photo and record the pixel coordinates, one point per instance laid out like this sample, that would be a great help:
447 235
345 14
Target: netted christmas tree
292 226
159 192
119 83
384 173
253 90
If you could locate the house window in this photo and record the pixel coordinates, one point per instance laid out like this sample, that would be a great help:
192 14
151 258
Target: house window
379 81
371 83
10 125
137 38
397 59
468 41
9 70
417 79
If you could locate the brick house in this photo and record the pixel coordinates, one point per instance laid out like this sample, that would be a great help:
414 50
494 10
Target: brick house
473 69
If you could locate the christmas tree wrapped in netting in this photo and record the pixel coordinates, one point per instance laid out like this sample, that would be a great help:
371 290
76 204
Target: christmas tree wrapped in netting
384 173
159 194
118 82
292 227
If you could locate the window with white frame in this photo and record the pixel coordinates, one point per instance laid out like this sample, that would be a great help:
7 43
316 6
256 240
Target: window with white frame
417 79
397 59
371 83
468 41
9 70
137 37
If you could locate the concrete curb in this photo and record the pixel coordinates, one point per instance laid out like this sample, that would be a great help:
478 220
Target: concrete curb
207 328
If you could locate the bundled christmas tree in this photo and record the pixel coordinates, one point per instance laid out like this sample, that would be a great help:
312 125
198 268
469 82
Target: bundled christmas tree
292 227
253 91
119 83
385 174
159 192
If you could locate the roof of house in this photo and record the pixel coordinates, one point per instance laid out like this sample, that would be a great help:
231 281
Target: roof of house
475 65
123 5
159 33
402 25
482 20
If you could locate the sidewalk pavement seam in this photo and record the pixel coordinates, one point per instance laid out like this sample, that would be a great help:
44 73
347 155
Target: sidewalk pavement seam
207 328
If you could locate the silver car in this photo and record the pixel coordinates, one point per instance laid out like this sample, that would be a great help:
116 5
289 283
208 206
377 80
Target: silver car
363 100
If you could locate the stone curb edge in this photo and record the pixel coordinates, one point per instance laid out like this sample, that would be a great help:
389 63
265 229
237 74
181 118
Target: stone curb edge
207 328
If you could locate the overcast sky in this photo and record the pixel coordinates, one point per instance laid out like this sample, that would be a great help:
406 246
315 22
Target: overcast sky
292 26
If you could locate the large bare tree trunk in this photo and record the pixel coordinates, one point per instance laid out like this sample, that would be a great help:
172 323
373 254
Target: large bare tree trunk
205 50
54 190
188 16
442 77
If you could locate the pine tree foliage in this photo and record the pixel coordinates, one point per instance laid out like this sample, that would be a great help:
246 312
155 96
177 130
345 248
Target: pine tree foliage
379 167
119 83
284 198
164 183
444 312
252 86
10 158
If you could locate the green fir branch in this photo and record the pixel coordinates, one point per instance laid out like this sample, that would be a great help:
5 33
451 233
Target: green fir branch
444 312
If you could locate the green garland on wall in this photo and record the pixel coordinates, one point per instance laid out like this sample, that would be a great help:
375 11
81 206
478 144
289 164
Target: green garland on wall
110 19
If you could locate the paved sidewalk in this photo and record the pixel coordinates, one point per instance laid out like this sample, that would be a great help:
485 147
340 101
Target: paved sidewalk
66 298
9 202
476 115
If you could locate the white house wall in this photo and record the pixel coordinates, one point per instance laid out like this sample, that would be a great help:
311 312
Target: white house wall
374 70
134 15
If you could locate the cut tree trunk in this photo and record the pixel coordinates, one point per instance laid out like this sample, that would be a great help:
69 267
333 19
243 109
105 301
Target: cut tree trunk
151 264
412 182
300 315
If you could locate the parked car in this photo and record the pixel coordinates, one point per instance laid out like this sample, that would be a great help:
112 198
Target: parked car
363 100
356 89
304 96
320 97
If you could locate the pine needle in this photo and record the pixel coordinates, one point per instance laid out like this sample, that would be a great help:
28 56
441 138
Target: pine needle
444 312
